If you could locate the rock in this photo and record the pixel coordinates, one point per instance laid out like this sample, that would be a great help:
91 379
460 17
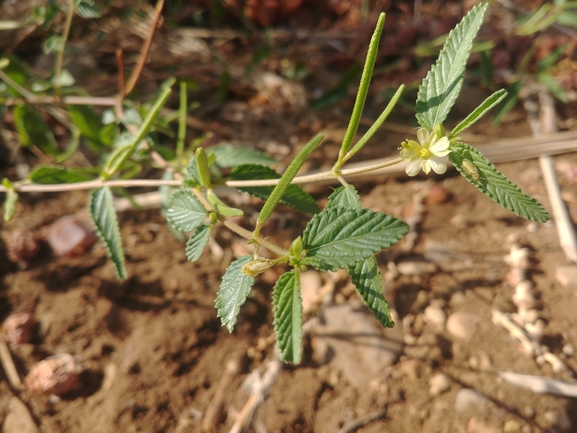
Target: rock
18 419
435 316
18 329
478 426
512 426
463 325
567 276
568 349
70 236
469 399
411 368
361 347
56 375
438 384
558 419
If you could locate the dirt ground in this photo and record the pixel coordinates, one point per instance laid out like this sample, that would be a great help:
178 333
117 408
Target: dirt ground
155 355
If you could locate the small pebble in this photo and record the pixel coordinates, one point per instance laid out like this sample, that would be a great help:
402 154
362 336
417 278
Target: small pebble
463 325
468 399
567 276
512 426
18 418
437 194
438 384
22 247
568 349
476 425
69 236
56 375
459 221
559 419
18 329
435 316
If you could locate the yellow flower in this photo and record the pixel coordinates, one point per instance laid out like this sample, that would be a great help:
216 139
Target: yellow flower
427 153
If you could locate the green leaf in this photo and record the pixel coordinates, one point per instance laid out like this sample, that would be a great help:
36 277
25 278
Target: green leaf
294 196
90 125
368 282
228 155
482 174
284 183
50 175
197 242
33 130
508 103
288 316
479 112
234 289
192 176
87 9
185 212
64 79
53 44
567 18
553 86
345 197
440 88
103 214
339 238
10 203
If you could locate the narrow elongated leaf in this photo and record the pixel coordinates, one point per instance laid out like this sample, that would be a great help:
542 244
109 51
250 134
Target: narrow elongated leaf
345 197
103 214
33 130
10 205
228 155
90 125
288 316
369 284
197 242
49 175
294 196
234 289
338 238
185 212
479 112
440 88
482 174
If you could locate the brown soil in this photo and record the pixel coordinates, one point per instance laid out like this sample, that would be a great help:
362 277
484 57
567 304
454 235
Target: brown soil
155 353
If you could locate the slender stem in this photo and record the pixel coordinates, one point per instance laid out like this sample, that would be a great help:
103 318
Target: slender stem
308 178
249 236
182 119
29 96
92 184
60 56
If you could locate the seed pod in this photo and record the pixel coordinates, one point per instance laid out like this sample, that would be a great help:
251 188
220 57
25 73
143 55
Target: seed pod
56 375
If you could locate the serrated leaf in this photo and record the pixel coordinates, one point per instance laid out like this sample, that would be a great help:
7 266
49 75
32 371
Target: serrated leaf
197 242
103 215
440 88
33 130
367 280
192 176
294 196
485 177
479 112
185 212
50 175
90 125
228 155
87 9
338 238
234 289
345 197
288 316
53 44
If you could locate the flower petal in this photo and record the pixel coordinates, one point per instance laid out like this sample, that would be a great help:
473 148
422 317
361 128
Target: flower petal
437 166
440 147
414 167
423 135
426 166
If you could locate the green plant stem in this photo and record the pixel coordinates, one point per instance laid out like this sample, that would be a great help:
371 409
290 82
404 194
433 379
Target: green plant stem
60 56
256 239
181 120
